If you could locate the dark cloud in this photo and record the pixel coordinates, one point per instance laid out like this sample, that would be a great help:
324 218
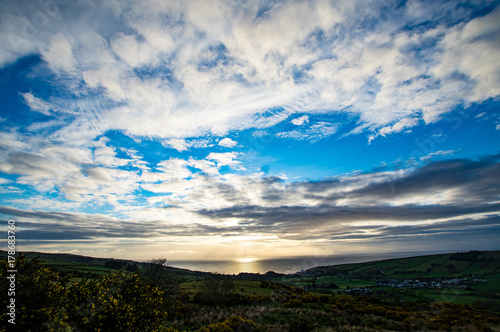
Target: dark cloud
475 181
472 188
315 215
63 225
367 212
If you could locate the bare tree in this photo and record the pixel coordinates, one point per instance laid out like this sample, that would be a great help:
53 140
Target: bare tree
157 272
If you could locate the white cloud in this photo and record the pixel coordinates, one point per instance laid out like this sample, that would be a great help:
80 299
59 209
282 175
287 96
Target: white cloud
224 159
183 145
439 153
396 128
131 51
206 166
300 121
184 70
177 144
227 142
37 104
312 133
59 55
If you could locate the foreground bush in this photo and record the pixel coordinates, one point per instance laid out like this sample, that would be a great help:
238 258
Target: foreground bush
115 302
235 323
38 295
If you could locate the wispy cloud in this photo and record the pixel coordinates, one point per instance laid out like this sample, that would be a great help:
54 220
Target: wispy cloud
301 56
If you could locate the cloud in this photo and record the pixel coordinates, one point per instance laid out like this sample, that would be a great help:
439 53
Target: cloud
78 226
441 199
224 159
436 192
227 142
312 133
439 153
37 104
300 121
59 55
163 71
177 144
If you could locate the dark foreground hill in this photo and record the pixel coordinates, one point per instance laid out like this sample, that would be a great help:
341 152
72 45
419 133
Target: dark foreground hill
434 293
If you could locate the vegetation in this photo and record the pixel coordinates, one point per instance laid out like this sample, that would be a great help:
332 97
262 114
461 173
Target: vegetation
158 273
144 300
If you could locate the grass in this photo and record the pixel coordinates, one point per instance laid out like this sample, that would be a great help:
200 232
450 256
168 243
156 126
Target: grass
486 266
251 288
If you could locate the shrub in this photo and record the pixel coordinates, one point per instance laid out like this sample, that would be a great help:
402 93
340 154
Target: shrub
115 302
39 292
301 324
292 303
235 323
215 289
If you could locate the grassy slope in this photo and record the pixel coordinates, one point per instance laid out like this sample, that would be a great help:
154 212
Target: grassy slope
345 275
486 266
82 264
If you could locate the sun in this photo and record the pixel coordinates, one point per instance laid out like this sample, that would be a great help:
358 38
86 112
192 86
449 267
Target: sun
246 260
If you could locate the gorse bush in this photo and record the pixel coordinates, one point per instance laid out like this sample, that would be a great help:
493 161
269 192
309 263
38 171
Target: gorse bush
117 302
39 292
233 324
114 302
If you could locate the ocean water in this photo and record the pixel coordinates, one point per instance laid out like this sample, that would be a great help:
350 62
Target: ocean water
287 265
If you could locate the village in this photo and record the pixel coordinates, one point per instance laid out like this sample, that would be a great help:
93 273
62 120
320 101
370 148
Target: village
425 283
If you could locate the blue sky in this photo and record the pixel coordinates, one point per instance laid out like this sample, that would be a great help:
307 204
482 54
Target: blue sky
250 129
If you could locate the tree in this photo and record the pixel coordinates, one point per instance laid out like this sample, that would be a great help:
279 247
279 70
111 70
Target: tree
215 288
157 272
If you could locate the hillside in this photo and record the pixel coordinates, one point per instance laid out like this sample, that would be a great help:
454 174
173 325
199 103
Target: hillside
469 277
110 294
87 266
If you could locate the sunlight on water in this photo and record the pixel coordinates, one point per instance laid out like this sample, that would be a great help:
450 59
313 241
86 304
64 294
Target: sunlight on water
285 265
246 260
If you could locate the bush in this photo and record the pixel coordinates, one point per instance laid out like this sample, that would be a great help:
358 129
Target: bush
292 303
215 289
301 324
235 323
115 302
39 292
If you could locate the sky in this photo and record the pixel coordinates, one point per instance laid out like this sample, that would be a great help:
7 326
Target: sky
208 130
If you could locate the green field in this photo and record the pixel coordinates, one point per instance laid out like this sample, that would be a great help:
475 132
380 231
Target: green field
484 266
347 297
338 278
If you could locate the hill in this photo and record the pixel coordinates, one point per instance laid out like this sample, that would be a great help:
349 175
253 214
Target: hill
81 266
373 296
466 277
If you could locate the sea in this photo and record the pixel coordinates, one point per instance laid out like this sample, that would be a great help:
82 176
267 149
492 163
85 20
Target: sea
287 265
